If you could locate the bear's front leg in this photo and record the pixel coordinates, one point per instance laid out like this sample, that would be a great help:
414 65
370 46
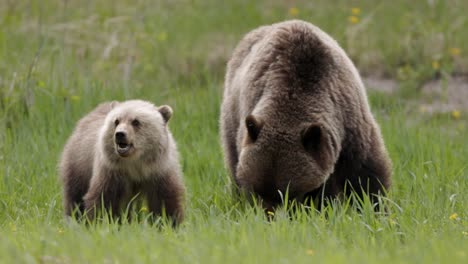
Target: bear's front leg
166 194
106 190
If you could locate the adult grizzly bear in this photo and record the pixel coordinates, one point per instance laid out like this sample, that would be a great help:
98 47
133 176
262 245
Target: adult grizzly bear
295 118
119 151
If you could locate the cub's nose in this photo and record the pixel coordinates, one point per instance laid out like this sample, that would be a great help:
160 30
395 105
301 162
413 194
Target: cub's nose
120 136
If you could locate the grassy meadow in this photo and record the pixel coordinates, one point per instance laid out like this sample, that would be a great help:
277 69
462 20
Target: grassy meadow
59 59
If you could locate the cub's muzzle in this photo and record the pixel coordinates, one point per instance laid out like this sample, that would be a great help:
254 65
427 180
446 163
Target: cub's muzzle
123 146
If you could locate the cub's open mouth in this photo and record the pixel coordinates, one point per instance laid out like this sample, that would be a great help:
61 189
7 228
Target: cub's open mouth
124 149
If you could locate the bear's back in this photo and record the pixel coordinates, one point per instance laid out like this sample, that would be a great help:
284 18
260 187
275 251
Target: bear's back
80 148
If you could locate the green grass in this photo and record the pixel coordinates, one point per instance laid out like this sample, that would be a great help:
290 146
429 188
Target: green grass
54 68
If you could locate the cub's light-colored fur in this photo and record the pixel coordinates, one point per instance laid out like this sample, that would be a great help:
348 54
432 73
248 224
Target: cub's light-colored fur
92 170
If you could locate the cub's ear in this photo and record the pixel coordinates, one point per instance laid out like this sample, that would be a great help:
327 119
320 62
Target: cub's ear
254 126
166 112
113 104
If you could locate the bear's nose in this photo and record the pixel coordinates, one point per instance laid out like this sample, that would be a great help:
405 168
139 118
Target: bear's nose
120 136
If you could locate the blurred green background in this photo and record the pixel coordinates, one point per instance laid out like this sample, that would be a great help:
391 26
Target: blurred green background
59 59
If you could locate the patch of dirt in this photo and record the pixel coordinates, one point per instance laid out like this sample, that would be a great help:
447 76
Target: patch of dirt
437 96
380 84
441 96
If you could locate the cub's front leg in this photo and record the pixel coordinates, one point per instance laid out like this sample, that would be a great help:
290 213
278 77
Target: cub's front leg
166 194
107 189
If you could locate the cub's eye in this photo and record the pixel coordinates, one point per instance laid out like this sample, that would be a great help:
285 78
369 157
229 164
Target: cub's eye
116 122
136 123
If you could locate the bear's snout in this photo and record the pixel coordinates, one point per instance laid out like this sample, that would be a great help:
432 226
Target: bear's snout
120 137
269 195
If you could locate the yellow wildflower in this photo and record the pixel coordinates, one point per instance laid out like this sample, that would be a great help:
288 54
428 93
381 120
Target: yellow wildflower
435 65
353 19
423 109
75 98
293 11
270 213
41 84
456 114
310 252
454 51
144 209
355 11
453 216
162 36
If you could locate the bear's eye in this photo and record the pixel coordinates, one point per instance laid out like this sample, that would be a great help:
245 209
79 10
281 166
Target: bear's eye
136 123
116 122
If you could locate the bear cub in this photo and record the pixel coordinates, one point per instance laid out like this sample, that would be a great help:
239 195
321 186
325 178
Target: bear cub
119 151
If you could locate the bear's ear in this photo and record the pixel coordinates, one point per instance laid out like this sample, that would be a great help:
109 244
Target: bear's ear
312 138
317 143
254 126
166 112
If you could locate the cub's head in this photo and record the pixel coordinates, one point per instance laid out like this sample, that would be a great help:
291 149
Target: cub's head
276 159
135 129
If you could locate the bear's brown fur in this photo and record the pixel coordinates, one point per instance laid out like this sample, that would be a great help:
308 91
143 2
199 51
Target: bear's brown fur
295 118
118 151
